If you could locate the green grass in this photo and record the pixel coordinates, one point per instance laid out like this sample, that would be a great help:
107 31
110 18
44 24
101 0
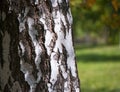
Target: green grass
99 68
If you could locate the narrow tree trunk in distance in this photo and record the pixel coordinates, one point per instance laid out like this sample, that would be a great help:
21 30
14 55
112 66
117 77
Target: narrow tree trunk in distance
37 53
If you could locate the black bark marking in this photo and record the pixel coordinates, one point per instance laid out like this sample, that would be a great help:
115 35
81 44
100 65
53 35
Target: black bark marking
59 84
1 51
3 8
63 28
63 7
64 57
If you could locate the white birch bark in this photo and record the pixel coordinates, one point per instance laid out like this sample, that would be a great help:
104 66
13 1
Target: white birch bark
45 59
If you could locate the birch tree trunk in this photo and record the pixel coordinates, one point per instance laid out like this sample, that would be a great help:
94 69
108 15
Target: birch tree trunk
36 50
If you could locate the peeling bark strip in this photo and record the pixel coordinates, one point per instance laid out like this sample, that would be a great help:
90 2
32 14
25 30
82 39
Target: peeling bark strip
37 54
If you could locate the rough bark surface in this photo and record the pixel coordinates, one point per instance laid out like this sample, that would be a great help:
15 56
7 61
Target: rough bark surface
36 50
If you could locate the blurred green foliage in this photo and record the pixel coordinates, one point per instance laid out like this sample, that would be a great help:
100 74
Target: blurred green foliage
98 18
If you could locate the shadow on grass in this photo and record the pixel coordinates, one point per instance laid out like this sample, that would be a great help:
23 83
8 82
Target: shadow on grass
99 90
88 46
97 58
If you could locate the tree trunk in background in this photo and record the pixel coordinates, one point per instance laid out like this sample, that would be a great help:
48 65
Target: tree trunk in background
36 50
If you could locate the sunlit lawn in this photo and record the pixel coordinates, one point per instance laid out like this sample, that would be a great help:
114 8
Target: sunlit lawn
99 68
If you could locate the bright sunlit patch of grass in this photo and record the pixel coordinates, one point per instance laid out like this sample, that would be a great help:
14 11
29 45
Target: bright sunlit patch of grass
99 69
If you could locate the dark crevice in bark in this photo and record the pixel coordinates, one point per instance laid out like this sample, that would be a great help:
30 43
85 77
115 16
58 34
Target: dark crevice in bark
45 69
46 9
49 4
11 25
63 7
29 48
1 51
44 57
3 10
64 58
6 88
61 81
14 58
71 81
41 86
63 29
77 77
59 84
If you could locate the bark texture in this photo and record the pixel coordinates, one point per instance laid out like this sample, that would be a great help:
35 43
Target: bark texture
36 50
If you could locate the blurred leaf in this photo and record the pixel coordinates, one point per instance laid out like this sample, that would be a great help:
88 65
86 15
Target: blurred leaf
74 3
90 2
115 4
